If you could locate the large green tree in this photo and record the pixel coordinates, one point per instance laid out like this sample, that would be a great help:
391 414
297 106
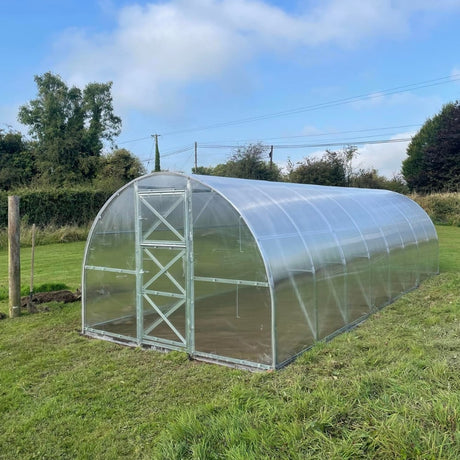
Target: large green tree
332 168
118 168
69 126
247 162
433 155
370 178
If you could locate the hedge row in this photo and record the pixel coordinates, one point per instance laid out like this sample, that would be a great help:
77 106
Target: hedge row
55 207
443 208
79 207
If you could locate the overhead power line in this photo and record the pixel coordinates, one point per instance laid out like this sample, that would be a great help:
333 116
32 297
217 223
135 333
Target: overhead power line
325 144
332 143
328 133
339 140
288 146
334 103
319 134
170 153
135 140
329 104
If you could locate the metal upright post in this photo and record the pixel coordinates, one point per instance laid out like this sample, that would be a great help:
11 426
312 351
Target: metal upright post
190 273
139 273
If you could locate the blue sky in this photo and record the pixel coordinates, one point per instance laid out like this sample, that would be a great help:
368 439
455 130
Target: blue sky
300 75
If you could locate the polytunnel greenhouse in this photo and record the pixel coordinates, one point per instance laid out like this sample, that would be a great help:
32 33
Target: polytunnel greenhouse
247 273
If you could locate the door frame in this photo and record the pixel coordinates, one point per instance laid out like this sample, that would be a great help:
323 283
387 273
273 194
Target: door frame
185 245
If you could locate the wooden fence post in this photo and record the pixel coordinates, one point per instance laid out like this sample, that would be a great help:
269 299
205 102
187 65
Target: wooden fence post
14 257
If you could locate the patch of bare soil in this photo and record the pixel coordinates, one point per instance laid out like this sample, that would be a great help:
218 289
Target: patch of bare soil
38 298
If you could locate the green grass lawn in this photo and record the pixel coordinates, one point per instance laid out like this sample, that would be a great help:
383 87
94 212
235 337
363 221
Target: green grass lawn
449 248
388 389
54 263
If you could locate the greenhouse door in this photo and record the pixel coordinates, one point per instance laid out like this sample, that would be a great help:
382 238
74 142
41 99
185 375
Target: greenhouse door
165 269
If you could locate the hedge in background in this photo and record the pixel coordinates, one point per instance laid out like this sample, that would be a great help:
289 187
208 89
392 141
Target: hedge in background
443 208
78 207
60 207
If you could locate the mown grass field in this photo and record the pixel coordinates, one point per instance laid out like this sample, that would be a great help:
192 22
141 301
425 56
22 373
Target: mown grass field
388 389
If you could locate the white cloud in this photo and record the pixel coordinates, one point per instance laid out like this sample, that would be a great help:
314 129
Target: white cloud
385 158
310 130
157 49
154 51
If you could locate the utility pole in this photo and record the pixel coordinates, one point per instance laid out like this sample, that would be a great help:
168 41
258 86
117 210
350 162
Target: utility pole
157 154
271 156
196 156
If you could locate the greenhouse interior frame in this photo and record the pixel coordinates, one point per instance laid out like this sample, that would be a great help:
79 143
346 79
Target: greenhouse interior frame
247 273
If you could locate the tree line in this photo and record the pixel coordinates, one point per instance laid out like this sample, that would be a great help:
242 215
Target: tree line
432 163
332 168
70 129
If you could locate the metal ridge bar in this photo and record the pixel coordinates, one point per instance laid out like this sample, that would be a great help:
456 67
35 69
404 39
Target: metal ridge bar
162 244
109 269
231 281
161 192
163 294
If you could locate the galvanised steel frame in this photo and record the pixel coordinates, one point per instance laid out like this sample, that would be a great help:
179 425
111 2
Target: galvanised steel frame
183 250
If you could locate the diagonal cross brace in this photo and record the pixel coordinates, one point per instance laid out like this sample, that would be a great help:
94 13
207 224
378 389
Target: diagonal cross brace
165 318
165 215
164 270
162 218
156 323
